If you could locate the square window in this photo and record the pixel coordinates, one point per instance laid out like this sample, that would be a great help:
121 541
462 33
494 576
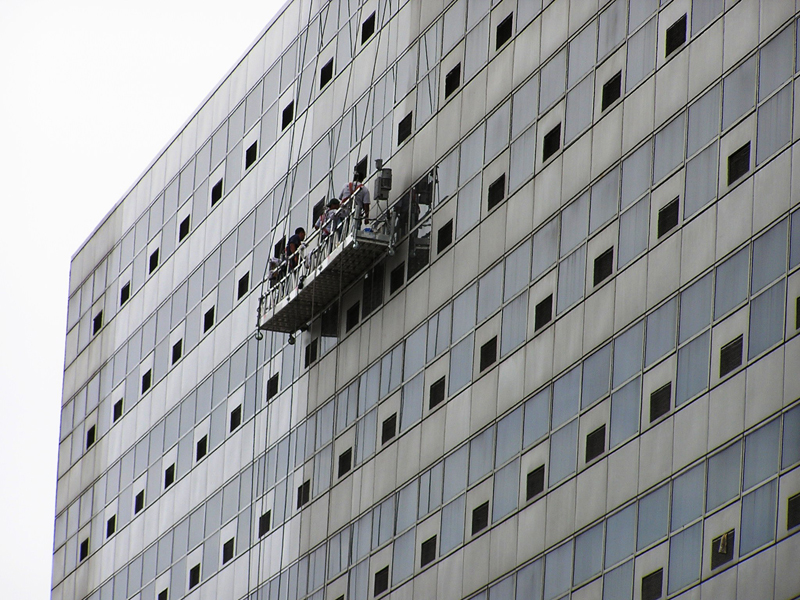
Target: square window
351 319
660 401
90 436
227 551
147 380
169 476
676 35
452 81
652 585
389 428
243 286
738 163
111 526
437 393
497 191
551 143
730 356
311 353
184 228
280 248
163 594
595 443
97 323
272 387
367 28
83 552
117 410
194 576
177 351
250 155
154 260
125 293
612 90
381 581
202 448
504 31
722 549
304 493
397 277
208 320
404 128
427 551
288 115
543 313
480 518
325 74
444 237
488 353
667 218
534 483
216 192
264 523
361 168
345 462
603 266
236 418
138 502
793 512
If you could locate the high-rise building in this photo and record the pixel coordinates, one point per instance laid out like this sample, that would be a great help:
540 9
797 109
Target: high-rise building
560 361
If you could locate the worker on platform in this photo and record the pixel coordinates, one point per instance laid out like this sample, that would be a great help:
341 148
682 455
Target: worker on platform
293 246
356 194
329 219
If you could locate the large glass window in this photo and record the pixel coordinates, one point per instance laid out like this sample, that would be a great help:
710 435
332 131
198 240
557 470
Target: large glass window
685 552
653 517
724 471
687 496
766 319
758 517
693 366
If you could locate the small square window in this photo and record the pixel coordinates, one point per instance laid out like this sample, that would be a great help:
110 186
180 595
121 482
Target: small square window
147 380
730 356
652 585
397 277
667 218
250 155
236 418
194 575
480 518
208 320
427 551
352 316
202 448
551 143
311 353
497 191
381 581
534 484
216 192
603 266
389 428
437 393
243 286
163 594
793 512
117 410
612 90
83 551
738 163
504 31
169 476
543 313
125 293
264 523
676 35
452 81
90 436
325 74
184 228
227 551
272 387
304 493
345 462
722 549
660 401
288 115
111 526
138 502
154 260
404 128
595 443
97 323
367 28
444 237
361 168
488 353
177 351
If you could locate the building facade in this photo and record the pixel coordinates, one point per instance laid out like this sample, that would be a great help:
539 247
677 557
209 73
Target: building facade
575 374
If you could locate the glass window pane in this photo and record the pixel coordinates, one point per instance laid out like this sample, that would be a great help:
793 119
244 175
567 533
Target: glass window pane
574 224
579 108
766 319
695 308
791 438
776 63
705 12
738 92
731 288
653 517
537 417
724 471
407 505
490 292
693 361
605 200
530 581
452 532
464 312
525 106
703 120
498 124
588 554
774 124
596 376
566 391
523 152
621 535
468 210
471 155
553 80
477 49
628 353
685 551
455 473
581 53
503 590
515 325
509 437
571 278
636 174
687 496
563 452
625 412
701 181
403 557
641 54
634 230
557 571
411 411
618 584
669 148
545 248
758 517
612 28
506 491
415 351
661 329
461 364
518 266
761 454
481 451
794 257
455 20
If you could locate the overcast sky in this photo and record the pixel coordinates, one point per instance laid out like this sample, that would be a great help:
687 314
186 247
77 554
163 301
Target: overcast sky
90 92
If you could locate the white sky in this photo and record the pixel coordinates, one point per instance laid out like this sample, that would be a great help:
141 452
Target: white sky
90 92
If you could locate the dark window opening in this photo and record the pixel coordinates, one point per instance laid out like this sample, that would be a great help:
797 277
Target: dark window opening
97 322
317 211
488 354
208 320
202 448
497 191
543 313
117 410
272 387
595 443
264 523
111 526
236 418
90 436
534 484
227 551
730 356
163 594
660 401
83 552
194 576
552 142
404 128
793 512
361 168
381 581
216 192
738 163
397 278
147 380
603 266
452 80
389 428
427 552
288 115
652 585
480 518
722 549
304 493
138 502
667 217
311 353
280 248
437 393
250 155
325 74
367 28
444 237
177 351
352 316
345 462
676 35
154 260
612 90
184 228
418 252
329 322
125 293
169 476
504 31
